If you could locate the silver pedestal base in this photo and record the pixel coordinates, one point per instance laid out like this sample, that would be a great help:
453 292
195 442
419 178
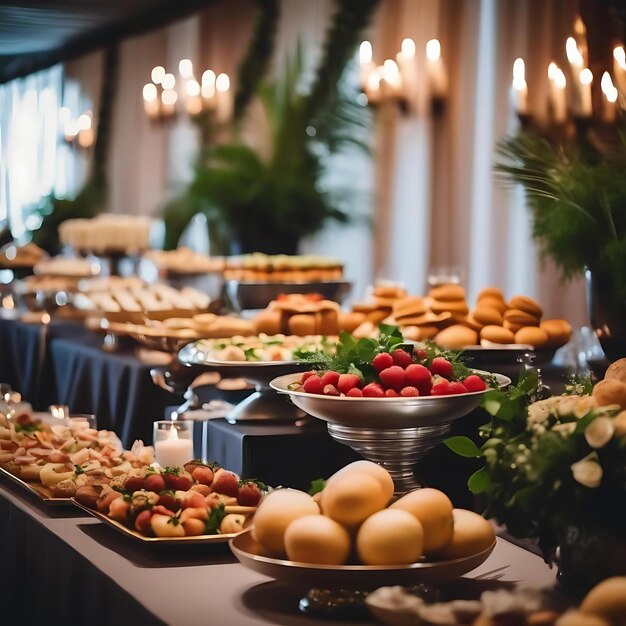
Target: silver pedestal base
265 405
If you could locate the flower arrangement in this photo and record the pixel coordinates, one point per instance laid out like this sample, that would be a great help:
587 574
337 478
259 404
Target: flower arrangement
555 470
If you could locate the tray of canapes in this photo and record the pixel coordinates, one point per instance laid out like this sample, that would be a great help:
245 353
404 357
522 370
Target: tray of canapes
53 461
197 503
352 535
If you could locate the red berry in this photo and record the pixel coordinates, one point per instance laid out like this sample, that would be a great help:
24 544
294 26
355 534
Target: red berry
474 383
441 366
203 475
226 482
382 361
391 393
401 358
330 378
393 378
457 387
409 392
155 482
330 390
142 521
134 483
178 482
169 502
355 392
420 354
418 375
249 495
440 389
347 382
193 500
313 385
373 390
307 375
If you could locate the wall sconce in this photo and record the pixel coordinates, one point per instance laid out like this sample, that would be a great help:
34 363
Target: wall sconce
164 97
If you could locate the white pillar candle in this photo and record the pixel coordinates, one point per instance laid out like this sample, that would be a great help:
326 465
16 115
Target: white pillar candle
407 64
520 89
366 64
223 99
392 81
619 69
557 93
173 451
609 98
436 72
586 78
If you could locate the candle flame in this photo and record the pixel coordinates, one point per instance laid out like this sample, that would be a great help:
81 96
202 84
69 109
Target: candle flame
390 72
579 26
222 82
586 76
559 78
408 48
149 92
552 68
519 74
433 50
365 52
169 97
157 74
192 87
173 433
185 67
373 80
574 55
620 56
168 81
84 121
608 89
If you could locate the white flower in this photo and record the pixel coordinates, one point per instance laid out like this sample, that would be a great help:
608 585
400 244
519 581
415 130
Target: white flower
587 471
566 405
583 405
566 428
599 432
538 412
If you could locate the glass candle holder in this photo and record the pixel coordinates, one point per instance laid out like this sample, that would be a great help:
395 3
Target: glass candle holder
445 275
173 442
83 420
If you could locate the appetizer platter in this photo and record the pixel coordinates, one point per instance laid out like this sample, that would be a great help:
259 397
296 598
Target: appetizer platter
197 503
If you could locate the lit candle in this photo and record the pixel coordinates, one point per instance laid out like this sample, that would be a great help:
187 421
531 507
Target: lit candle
168 102
437 78
372 88
576 61
150 100
193 103
70 129
586 78
619 68
157 74
557 93
366 66
168 81
520 89
391 81
208 88
609 97
222 87
185 68
173 451
407 63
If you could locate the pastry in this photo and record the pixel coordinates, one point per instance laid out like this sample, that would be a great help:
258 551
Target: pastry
559 332
521 318
409 307
497 334
267 322
487 315
458 307
447 293
526 304
301 324
492 303
456 337
388 291
471 322
491 292
349 321
532 335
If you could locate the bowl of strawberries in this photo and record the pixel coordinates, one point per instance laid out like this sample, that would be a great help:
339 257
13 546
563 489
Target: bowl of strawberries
389 399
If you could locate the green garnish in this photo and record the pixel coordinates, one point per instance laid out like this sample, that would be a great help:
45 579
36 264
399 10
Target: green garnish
317 486
78 470
216 516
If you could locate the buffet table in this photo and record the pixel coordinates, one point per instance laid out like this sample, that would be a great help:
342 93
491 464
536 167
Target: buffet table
62 567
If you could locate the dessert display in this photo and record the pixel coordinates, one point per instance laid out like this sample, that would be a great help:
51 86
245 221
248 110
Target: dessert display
107 234
184 261
56 460
259 267
194 501
13 256
66 266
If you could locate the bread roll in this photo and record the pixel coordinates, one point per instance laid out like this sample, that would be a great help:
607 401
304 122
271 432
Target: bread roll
512 327
301 324
388 291
607 600
526 304
497 334
487 315
491 292
456 337
267 322
455 307
409 306
610 391
447 293
559 332
327 322
617 371
428 319
350 321
364 307
471 322
521 318
377 316
492 303
532 335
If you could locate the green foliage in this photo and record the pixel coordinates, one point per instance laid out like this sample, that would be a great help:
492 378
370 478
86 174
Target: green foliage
577 198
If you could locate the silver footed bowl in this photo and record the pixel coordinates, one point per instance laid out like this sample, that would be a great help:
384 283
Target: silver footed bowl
394 432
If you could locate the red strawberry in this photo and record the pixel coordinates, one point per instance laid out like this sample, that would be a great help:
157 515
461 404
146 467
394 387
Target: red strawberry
391 393
474 383
307 375
418 375
441 366
249 494
169 502
420 354
330 390
457 387
382 361
313 384
355 392
226 482
393 378
440 389
142 521
178 481
155 482
409 392
373 390
347 382
330 378
401 358
134 483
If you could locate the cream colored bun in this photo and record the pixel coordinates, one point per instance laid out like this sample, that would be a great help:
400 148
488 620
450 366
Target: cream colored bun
516 316
532 335
607 600
366 329
610 391
350 321
178 322
456 307
486 315
491 292
327 322
412 333
433 509
412 306
447 293
559 332
456 337
497 334
364 307
353 497
512 327
427 332
492 303
267 322
471 322
428 319
576 618
617 371
526 304
390 537
301 324
388 291
472 534
277 510
371 469
377 316
385 303
205 319
317 539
